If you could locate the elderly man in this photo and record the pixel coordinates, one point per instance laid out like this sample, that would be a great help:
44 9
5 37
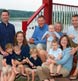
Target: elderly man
58 28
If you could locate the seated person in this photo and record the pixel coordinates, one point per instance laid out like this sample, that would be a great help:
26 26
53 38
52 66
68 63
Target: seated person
34 61
6 62
50 35
18 61
54 53
39 32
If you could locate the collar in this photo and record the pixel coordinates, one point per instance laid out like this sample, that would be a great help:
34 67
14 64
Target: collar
5 24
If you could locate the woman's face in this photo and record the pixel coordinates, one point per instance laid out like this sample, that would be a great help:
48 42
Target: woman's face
64 42
20 38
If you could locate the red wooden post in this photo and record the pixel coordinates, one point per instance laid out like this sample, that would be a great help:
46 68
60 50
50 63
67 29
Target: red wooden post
48 11
24 26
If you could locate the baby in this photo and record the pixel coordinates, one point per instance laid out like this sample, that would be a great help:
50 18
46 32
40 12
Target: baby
50 35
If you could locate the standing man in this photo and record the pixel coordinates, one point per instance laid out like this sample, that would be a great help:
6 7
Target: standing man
39 32
7 33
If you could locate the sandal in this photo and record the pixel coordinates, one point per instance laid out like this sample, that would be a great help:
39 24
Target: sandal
73 77
58 75
52 74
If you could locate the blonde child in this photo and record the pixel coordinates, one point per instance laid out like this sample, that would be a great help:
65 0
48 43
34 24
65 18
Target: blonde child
50 35
54 53
6 63
34 61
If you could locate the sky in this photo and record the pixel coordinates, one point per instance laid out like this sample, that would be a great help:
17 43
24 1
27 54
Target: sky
29 5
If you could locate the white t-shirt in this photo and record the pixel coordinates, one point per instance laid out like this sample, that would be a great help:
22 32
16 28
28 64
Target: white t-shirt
55 53
51 38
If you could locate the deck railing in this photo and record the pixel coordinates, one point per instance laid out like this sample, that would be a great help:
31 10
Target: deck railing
60 13
63 13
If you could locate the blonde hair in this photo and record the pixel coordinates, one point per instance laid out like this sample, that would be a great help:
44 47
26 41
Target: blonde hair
9 45
33 50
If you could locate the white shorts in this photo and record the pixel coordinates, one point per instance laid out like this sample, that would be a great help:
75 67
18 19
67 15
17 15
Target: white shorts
6 69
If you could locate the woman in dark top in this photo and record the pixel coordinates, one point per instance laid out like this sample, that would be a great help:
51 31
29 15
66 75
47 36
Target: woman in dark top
21 41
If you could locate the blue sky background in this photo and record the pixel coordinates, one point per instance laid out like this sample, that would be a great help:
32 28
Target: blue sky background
29 5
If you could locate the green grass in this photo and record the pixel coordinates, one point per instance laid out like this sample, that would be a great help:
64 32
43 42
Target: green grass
24 79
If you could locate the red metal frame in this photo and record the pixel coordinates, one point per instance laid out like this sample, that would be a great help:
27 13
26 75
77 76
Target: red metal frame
48 11
25 23
64 5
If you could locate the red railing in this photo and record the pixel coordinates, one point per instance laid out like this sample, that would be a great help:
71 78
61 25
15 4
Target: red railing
60 13
26 23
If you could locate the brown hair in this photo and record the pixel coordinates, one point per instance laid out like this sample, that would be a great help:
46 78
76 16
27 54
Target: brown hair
24 41
68 45
8 45
5 11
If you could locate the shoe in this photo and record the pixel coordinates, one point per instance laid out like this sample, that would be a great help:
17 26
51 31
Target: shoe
73 77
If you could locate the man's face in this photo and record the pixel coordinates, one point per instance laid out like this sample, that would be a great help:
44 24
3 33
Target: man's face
41 21
4 16
75 22
58 27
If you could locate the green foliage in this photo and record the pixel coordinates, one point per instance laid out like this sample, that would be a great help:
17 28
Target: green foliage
19 14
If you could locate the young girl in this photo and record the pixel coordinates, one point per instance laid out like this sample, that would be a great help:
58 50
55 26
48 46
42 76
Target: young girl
34 61
50 35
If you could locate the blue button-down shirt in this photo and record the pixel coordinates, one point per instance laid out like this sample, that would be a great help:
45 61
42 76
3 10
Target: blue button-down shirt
7 33
38 33
73 31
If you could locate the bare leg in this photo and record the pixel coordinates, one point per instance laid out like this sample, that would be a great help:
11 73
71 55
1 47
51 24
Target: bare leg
51 67
2 77
14 69
22 70
33 75
5 77
12 77
58 68
27 73
76 72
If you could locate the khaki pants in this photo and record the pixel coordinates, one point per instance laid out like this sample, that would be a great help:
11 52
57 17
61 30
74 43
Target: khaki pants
43 72
1 57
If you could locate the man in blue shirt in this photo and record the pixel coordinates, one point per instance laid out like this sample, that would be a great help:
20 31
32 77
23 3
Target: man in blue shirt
39 32
7 32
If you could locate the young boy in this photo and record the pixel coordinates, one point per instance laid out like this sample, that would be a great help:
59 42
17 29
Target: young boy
18 61
6 62
55 53
34 61
50 35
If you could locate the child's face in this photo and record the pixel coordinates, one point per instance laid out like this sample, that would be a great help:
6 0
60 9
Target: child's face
17 51
51 28
34 54
54 46
9 50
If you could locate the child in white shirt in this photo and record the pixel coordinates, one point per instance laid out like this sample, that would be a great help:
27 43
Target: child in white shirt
50 35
